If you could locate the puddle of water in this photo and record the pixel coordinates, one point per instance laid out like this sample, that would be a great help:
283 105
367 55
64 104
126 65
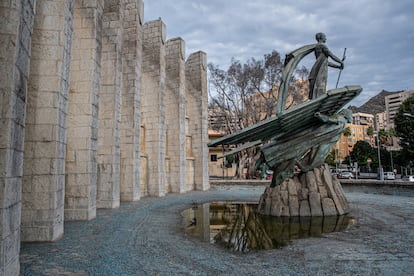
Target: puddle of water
237 227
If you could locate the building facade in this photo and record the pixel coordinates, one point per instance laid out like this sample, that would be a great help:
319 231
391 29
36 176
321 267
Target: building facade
380 121
346 144
218 166
364 119
97 107
392 104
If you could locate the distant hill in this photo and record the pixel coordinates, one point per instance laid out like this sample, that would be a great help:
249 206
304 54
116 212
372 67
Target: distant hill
374 105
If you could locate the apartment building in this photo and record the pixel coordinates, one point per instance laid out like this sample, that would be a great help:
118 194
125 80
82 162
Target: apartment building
364 119
392 103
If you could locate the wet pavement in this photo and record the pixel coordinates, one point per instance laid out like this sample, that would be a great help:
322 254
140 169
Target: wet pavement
147 238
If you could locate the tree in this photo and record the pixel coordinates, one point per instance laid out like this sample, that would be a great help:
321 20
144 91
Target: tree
385 136
330 159
231 91
347 132
404 127
370 131
246 94
362 151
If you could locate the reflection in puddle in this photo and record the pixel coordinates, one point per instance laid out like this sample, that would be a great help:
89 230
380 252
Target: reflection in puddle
238 227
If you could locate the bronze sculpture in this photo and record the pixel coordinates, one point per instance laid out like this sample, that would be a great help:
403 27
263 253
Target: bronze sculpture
319 73
300 136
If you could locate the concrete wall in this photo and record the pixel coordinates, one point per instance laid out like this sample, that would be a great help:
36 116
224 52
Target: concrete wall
96 108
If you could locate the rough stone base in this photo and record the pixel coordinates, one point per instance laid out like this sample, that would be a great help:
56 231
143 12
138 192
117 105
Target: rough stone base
312 194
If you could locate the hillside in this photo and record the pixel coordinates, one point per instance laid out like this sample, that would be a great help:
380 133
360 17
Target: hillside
374 105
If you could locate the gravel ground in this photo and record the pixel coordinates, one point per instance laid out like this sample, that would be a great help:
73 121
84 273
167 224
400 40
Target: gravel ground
146 238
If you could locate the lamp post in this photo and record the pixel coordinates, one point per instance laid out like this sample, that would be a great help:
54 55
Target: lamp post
379 156
406 114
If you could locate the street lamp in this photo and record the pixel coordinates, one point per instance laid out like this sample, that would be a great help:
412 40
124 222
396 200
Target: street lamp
379 156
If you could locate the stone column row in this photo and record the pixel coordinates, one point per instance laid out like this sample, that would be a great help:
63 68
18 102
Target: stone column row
196 96
131 100
153 104
108 190
45 131
16 28
96 108
175 114
82 130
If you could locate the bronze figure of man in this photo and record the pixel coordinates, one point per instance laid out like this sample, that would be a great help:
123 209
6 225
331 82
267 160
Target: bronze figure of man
318 76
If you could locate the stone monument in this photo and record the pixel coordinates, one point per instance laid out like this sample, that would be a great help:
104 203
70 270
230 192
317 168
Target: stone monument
295 143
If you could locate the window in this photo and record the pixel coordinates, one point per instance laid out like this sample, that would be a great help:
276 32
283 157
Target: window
213 158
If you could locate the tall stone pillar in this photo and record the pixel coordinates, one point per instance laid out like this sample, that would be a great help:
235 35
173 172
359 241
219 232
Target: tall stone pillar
45 132
196 96
153 104
189 172
131 100
16 25
108 193
82 122
175 113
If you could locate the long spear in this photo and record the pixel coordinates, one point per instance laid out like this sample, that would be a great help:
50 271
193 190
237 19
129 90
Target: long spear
340 71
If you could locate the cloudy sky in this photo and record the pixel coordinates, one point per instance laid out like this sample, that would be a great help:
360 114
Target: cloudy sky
378 34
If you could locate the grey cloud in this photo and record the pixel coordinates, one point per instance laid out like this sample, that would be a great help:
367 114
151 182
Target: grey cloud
378 34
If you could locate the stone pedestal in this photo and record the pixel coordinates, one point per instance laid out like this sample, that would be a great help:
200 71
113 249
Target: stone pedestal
312 194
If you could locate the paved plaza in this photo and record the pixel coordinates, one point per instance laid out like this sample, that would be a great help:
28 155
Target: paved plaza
146 238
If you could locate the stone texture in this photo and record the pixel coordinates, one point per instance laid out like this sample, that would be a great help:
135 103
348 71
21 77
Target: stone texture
153 104
196 111
313 194
95 108
328 207
108 152
175 114
315 204
293 206
304 209
311 181
47 101
329 181
131 101
82 136
16 26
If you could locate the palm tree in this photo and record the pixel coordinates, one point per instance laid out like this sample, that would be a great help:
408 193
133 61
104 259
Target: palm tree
347 132
370 131
386 136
